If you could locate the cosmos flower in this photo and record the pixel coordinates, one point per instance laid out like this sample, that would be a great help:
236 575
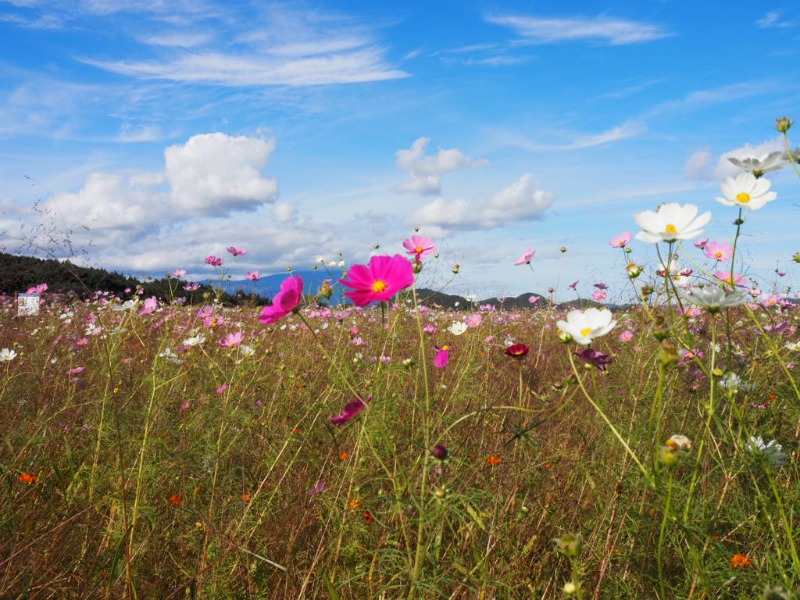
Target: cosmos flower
234 251
621 240
284 302
771 451
713 298
442 358
670 222
378 281
593 357
758 165
7 355
253 275
732 278
517 351
720 251
419 246
746 191
231 340
458 328
526 257
584 326
213 261
350 411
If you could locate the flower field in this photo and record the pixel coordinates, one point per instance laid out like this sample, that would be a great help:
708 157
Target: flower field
386 448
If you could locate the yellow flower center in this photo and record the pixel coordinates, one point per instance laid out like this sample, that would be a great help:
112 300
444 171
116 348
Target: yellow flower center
718 254
378 285
419 249
670 228
446 348
586 331
743 198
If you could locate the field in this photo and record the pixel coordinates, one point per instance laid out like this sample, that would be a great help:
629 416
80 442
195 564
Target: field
390 449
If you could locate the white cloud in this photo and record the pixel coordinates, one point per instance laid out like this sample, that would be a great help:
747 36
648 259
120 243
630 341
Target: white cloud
611 31
726 168
628 129
521 201
773 20
696 166
426 171
214 173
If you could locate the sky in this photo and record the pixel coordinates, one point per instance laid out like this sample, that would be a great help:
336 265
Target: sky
142 136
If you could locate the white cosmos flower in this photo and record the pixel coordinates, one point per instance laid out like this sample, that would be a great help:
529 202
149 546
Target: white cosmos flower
713 298
746 191
758 165
584 326
7 355
195 340
458 328
670 222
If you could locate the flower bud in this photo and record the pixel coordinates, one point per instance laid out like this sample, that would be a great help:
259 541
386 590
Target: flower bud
439 452
783 124
325 290
667 355
796 257
570 589
569 544
633 270
456 268
564 336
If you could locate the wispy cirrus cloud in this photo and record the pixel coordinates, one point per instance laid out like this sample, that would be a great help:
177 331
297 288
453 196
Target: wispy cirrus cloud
628 129
615 32
774 20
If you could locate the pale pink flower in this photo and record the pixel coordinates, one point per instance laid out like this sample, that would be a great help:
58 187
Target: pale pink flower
150 305
191 287
474 321
526 257
599 295
732 278
621 240
232 340
720 251
419 246
253 275
625 336
701 243
178 273
234 251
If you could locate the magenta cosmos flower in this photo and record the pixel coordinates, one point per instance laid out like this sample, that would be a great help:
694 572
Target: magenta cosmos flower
526 257
419 246
213 261
378 281
285 301
442 358
350 411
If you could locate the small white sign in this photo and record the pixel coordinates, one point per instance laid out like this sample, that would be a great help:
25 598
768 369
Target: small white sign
27 304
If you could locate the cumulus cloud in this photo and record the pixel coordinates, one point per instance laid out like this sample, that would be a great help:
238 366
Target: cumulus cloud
426 171
603 29
214 173
210 175
726 168
521 201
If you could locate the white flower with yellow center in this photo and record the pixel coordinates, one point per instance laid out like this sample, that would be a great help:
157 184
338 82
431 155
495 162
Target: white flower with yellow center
758 165
670 222
746 191
584 326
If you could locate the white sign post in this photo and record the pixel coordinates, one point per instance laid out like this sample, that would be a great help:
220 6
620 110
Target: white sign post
27 305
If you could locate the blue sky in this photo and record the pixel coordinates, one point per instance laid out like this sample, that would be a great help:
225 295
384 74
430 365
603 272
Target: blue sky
153 133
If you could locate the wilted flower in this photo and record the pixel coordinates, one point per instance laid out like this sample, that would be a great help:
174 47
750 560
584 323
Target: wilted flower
351 411
670 222
585 326
593 357
746 191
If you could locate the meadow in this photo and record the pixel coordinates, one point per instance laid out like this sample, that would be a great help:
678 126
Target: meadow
390 449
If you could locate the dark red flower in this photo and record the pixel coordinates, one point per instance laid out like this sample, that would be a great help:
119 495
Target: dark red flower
517 351
593 357
351 411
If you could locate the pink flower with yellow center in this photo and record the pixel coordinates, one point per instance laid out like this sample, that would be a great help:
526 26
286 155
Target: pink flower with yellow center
419 246
720 251
379 280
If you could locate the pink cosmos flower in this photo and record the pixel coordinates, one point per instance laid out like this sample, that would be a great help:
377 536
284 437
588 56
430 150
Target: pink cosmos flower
253 275
191 287
719 251
231 340
37 289
731 278
351 411
573 285
213 261
701 243
442 357
378 281
599 295
526 257
178 273
621 240
419 246
625 336
150 305
284 302
234 251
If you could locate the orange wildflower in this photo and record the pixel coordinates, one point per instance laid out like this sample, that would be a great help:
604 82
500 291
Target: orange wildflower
296 430
344 456
175 499
494 460
246 497
27 478
740 560
368 517
353 503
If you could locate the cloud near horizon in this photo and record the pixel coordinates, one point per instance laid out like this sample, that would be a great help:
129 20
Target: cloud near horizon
521 201
426 171
615 32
